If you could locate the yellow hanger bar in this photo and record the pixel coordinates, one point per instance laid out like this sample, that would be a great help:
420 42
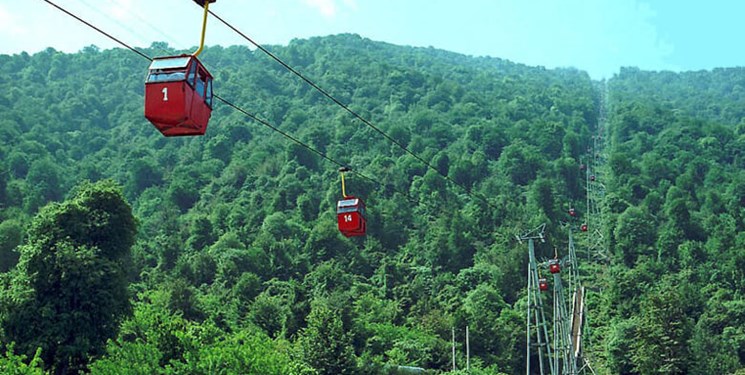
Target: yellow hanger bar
343 187
204 28
343 190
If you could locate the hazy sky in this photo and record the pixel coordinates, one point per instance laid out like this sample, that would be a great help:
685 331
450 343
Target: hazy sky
597 36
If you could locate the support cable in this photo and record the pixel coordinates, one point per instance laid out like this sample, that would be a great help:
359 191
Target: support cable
99 30
356 115
234 106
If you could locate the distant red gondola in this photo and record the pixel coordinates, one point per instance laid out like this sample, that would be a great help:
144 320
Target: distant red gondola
350 215
542 284
583 227
553 266
178 95
572 212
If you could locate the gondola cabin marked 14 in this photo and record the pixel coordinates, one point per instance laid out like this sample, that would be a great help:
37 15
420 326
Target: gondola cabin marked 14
350 215
178 95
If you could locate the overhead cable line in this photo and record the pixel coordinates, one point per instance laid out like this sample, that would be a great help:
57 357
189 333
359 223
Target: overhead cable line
288 136
346 108
308 147
99 30
234 106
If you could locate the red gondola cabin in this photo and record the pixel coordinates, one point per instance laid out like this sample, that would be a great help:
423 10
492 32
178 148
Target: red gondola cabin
178 95
583 227
553 266
542 284
572 212
350 214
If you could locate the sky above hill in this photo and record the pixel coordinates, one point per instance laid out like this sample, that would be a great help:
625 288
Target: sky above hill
598 36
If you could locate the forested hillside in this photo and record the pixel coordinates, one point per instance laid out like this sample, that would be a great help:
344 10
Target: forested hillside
238 267
675 220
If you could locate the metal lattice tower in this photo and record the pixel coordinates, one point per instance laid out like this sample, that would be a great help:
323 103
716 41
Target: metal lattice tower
564 349
577 317
568 315
595 189
561 337
536 317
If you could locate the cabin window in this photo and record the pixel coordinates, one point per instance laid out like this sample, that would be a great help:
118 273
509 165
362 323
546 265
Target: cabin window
192 75
167 70
209 93
350 205
165 76
343 210
201 83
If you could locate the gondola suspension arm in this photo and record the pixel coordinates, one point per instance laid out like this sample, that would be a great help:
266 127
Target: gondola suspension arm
206 5
343 187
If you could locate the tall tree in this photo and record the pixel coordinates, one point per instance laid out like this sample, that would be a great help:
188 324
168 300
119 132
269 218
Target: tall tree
69 291
326 347
661 341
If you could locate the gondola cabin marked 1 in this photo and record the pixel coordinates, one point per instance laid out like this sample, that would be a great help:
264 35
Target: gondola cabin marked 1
178 95
350 215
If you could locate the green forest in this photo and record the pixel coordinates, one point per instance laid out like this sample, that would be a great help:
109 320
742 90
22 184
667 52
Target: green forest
126 252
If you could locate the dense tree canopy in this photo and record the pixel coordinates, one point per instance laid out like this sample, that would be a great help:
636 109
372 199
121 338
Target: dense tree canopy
238 265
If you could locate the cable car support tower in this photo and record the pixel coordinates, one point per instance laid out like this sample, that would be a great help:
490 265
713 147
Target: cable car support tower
563 348
536 318
561 327
594 184
576 321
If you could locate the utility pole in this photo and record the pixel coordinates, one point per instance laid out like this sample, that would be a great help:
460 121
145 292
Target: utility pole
453 348
468 352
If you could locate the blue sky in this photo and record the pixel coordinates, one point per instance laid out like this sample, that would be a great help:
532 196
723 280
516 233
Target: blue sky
596 36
